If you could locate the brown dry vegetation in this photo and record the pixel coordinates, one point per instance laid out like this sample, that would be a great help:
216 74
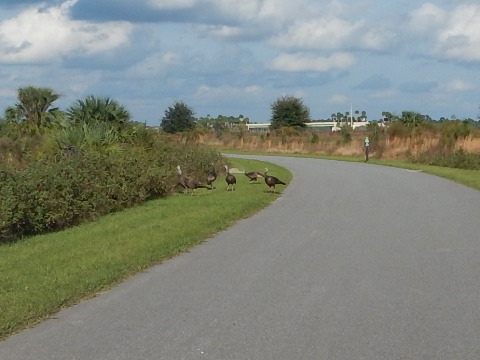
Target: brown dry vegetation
383 145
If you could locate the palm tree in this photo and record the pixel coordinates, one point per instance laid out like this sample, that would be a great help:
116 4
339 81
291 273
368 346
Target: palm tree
34 108
98 124
98 110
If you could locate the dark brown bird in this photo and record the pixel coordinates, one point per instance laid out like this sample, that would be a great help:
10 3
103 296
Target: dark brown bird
188 183
255 175
212 176
230 179
271 181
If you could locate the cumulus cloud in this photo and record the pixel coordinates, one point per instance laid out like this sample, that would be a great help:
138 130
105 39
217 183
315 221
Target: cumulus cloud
299 62
451 34
333 32
43 34
317 34
426 17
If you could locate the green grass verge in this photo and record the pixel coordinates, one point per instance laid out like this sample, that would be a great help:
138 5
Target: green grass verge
42 274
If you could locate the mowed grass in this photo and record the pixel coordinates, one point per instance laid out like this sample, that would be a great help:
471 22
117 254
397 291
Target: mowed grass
42 274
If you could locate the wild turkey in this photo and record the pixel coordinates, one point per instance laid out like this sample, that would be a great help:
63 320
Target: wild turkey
254 175
188 183
230 179
212 176
271 181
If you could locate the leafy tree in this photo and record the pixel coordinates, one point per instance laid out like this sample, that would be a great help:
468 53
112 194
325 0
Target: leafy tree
93 110
289 111
178 118
34 109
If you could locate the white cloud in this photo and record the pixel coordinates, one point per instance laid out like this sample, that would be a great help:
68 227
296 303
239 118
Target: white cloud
426 17
43 34
451 34
306 62
317 34
332 33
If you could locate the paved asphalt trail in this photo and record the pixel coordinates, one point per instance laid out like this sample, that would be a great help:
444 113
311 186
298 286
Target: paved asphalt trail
354 261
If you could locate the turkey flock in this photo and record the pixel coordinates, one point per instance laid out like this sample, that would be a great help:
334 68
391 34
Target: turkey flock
191 184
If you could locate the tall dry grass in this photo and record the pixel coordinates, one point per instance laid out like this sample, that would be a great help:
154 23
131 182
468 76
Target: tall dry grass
382 146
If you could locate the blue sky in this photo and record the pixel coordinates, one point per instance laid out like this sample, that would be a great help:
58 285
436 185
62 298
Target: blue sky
230 57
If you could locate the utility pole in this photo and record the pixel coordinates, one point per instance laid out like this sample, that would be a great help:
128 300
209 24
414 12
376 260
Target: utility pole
351 116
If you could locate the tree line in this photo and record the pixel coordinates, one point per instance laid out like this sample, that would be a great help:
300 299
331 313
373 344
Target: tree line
35 113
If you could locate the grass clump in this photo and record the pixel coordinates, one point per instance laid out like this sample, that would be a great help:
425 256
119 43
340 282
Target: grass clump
42 274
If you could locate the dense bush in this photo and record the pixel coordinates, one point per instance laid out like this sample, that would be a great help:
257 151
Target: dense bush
52 195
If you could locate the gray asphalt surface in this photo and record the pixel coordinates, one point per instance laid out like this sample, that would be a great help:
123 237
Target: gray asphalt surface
354 261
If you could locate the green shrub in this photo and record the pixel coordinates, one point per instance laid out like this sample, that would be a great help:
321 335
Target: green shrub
52 195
